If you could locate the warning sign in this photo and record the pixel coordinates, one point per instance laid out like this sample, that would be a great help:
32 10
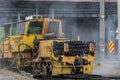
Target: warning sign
111 47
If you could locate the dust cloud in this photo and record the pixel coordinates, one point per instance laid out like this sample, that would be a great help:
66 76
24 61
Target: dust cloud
107 68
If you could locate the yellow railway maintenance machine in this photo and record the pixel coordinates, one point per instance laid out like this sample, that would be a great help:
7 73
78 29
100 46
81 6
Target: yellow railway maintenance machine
38 45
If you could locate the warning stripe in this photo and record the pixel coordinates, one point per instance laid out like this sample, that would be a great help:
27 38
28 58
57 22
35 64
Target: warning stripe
112 50
111 47
110 43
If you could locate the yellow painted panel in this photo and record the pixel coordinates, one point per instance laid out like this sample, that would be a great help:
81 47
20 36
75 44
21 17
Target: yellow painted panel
87 69
45 48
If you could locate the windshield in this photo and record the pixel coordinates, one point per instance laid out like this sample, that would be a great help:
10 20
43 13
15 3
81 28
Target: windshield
35 27
53 27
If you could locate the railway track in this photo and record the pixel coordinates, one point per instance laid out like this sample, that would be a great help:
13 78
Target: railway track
67 77
71 77
80 78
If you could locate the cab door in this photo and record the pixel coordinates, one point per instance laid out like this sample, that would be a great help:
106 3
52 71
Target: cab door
17 31
34 28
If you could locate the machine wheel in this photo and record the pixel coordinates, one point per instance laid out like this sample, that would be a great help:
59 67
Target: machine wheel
18 64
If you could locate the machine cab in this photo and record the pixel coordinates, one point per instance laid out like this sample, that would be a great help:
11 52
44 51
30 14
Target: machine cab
53 28
25 31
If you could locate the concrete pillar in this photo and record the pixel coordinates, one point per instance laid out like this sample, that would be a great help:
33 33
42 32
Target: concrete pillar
118 28
110 34
102 29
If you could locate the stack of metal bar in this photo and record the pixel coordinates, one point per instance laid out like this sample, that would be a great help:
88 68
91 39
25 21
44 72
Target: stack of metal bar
74 48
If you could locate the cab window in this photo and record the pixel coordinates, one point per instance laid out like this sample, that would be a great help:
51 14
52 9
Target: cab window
21 28
35 27
14 29
7 30
53 27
